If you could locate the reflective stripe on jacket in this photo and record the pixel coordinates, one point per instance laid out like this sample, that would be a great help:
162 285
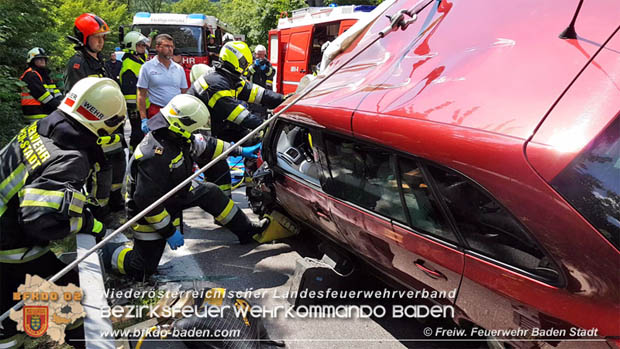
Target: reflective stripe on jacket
40 189
40 96
128 78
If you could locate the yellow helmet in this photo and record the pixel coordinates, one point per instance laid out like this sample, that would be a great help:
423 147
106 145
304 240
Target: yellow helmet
186 114
96 103
236 55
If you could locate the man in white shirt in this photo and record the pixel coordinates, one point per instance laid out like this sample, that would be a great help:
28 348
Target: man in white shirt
160 79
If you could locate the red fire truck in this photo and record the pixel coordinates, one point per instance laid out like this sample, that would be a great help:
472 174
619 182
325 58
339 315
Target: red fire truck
190 33
295 46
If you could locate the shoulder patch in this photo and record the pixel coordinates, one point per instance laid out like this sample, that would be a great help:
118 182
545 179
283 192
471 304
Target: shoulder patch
76 66
159 150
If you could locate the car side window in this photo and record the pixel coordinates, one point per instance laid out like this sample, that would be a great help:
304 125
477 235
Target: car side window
364 176
295 152
423 209
488 228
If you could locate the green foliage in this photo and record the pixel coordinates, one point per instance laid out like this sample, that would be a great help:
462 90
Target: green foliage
25 24
113 12
20 30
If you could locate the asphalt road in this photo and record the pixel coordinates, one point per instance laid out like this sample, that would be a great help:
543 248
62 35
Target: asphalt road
211 257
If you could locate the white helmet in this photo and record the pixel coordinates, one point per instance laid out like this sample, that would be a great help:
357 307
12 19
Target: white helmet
186 114
133 38
260 48
96 103
36 52
199 70
227 37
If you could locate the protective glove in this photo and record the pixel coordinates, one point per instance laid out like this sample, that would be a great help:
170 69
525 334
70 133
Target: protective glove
144 126
176 240
199 144
250 152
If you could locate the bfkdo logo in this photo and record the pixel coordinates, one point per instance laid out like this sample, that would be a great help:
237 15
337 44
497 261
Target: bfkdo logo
36 319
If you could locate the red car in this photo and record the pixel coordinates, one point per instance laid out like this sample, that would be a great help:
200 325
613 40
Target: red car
475 150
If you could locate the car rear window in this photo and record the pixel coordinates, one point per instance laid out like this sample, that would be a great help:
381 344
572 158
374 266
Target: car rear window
591 183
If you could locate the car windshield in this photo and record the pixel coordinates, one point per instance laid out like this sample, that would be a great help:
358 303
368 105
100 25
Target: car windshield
187 39
591 183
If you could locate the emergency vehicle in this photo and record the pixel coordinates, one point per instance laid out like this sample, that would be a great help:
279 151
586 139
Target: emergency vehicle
190 33
295 46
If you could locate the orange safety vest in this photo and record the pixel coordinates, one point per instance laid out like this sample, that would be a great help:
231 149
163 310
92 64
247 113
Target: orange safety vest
30 104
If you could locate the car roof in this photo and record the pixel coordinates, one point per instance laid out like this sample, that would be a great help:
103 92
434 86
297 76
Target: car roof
494 66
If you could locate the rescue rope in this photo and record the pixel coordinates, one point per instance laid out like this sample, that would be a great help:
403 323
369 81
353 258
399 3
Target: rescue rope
398 21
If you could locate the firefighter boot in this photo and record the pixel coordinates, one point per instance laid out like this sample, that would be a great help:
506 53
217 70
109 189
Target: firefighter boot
241 226
279 227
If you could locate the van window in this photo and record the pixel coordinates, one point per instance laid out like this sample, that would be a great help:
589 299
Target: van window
295 153
364 176
488 228
424 211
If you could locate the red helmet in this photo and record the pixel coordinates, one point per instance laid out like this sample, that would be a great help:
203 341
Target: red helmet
88 24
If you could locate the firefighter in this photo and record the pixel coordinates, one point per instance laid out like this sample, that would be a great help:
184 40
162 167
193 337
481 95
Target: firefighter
161 161
40 96
42 172
136 45
90 32
261 72
105 184
213 49
223 91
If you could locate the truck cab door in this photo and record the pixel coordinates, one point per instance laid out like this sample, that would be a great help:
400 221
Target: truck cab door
276 57
296 58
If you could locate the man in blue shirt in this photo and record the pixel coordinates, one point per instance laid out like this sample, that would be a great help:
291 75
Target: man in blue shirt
160 79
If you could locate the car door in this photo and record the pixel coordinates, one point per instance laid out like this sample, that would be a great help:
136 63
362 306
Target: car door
405 235
504 266
296 150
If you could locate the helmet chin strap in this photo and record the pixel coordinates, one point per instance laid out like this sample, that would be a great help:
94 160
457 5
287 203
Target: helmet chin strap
180 132
108 140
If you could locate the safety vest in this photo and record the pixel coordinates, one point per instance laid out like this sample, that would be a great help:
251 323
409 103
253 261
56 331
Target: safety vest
134 67
31 106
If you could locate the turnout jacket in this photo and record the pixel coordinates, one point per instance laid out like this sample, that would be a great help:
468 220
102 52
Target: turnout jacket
40 96
128 78
42 172
82 65
223 93
261 72
160 162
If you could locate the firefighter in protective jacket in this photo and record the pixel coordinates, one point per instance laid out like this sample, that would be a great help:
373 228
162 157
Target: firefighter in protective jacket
42 172
90 31
105 184
40 96
136 45
223 91
161 161
261 72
